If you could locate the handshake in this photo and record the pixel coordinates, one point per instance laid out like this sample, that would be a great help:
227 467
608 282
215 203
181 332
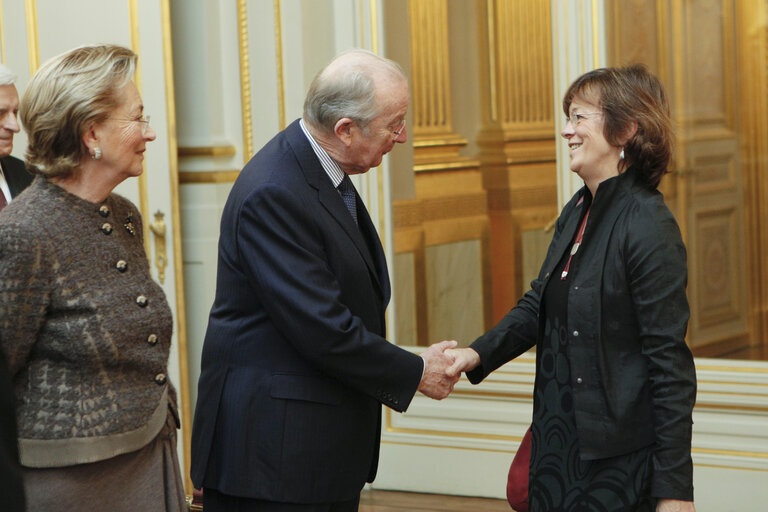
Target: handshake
443 364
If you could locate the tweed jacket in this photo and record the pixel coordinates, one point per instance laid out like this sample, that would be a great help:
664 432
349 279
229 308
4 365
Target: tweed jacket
85 329
633 377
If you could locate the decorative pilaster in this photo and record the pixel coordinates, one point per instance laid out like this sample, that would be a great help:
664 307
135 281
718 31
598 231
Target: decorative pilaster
517 140
436 145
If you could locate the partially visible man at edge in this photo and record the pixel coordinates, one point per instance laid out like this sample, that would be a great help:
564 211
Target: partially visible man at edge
13 175
13 179
295 364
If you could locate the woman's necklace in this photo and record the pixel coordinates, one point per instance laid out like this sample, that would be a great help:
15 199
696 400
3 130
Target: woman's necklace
576 245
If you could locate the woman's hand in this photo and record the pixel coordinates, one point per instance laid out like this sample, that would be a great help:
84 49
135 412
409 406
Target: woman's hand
667 505
465 359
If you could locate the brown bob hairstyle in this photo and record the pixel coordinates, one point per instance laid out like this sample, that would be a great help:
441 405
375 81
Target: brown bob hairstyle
628 95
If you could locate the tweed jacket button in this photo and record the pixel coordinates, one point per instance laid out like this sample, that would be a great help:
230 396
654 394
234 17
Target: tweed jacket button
579 380
575 333
121 265
152 339
104 210
106 228
160 379
142 301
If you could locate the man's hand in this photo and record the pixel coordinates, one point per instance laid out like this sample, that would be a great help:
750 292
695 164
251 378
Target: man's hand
667 505
464 360
435 383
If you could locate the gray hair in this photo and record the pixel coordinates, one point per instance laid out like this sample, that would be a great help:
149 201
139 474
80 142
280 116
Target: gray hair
66 96
6 76
347 88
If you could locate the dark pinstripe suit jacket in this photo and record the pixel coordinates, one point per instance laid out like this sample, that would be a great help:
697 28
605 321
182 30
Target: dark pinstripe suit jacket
15 174
295 364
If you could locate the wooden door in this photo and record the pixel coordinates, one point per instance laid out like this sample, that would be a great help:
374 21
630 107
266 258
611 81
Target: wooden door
692 46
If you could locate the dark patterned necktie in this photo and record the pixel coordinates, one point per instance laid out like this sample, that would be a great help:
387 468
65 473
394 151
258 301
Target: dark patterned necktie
348 195
3 201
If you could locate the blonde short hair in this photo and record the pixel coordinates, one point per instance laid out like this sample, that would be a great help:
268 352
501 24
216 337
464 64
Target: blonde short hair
66 96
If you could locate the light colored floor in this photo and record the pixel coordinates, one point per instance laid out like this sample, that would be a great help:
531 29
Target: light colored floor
390 501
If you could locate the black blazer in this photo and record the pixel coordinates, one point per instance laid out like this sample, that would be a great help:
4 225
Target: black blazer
295 363
634 382
16 174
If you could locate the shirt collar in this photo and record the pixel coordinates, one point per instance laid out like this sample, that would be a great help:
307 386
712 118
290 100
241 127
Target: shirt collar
330 166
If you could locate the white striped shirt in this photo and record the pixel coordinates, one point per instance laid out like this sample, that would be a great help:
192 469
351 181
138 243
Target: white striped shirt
330 165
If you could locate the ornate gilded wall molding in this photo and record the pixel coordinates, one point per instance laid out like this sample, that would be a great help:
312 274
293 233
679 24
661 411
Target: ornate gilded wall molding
517 138
433 137
245 79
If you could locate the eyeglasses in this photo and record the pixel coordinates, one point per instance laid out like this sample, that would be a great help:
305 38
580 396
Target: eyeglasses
144 120
397 132
576 117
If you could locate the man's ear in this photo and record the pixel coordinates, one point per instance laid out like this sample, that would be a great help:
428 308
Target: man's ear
343 130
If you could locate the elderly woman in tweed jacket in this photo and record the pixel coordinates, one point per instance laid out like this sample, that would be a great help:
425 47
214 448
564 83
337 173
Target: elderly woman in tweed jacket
85 329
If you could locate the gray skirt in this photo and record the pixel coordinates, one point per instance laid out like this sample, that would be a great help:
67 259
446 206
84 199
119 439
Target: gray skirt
148 479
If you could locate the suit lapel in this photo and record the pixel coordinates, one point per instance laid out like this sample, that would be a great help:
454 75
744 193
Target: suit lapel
331 200
15 174
373 243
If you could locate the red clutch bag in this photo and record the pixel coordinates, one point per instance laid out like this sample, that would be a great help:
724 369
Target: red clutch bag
517 479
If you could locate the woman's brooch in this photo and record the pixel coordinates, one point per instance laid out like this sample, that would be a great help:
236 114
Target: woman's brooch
129 227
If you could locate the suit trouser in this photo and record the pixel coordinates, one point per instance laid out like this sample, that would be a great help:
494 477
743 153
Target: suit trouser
214 501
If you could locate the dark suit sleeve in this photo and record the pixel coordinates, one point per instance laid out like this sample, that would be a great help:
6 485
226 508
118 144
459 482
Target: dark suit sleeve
283 248
656 266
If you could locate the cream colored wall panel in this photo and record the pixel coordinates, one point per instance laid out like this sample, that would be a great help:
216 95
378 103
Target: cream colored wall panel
578 42
14 39
64 25
263 77
198 72
404 287
207 78
201 210
454 291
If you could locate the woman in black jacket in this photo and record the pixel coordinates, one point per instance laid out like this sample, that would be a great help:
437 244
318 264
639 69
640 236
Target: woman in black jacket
615 381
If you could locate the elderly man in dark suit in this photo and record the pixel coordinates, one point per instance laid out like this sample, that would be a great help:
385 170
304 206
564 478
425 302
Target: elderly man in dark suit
295 364
13 175
13 179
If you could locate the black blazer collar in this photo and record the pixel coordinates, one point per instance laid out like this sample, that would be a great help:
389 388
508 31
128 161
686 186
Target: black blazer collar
605 208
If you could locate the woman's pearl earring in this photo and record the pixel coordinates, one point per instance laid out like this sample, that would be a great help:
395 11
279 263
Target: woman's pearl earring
97 153
621 155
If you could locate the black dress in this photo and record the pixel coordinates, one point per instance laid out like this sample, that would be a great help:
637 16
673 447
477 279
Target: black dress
560 480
